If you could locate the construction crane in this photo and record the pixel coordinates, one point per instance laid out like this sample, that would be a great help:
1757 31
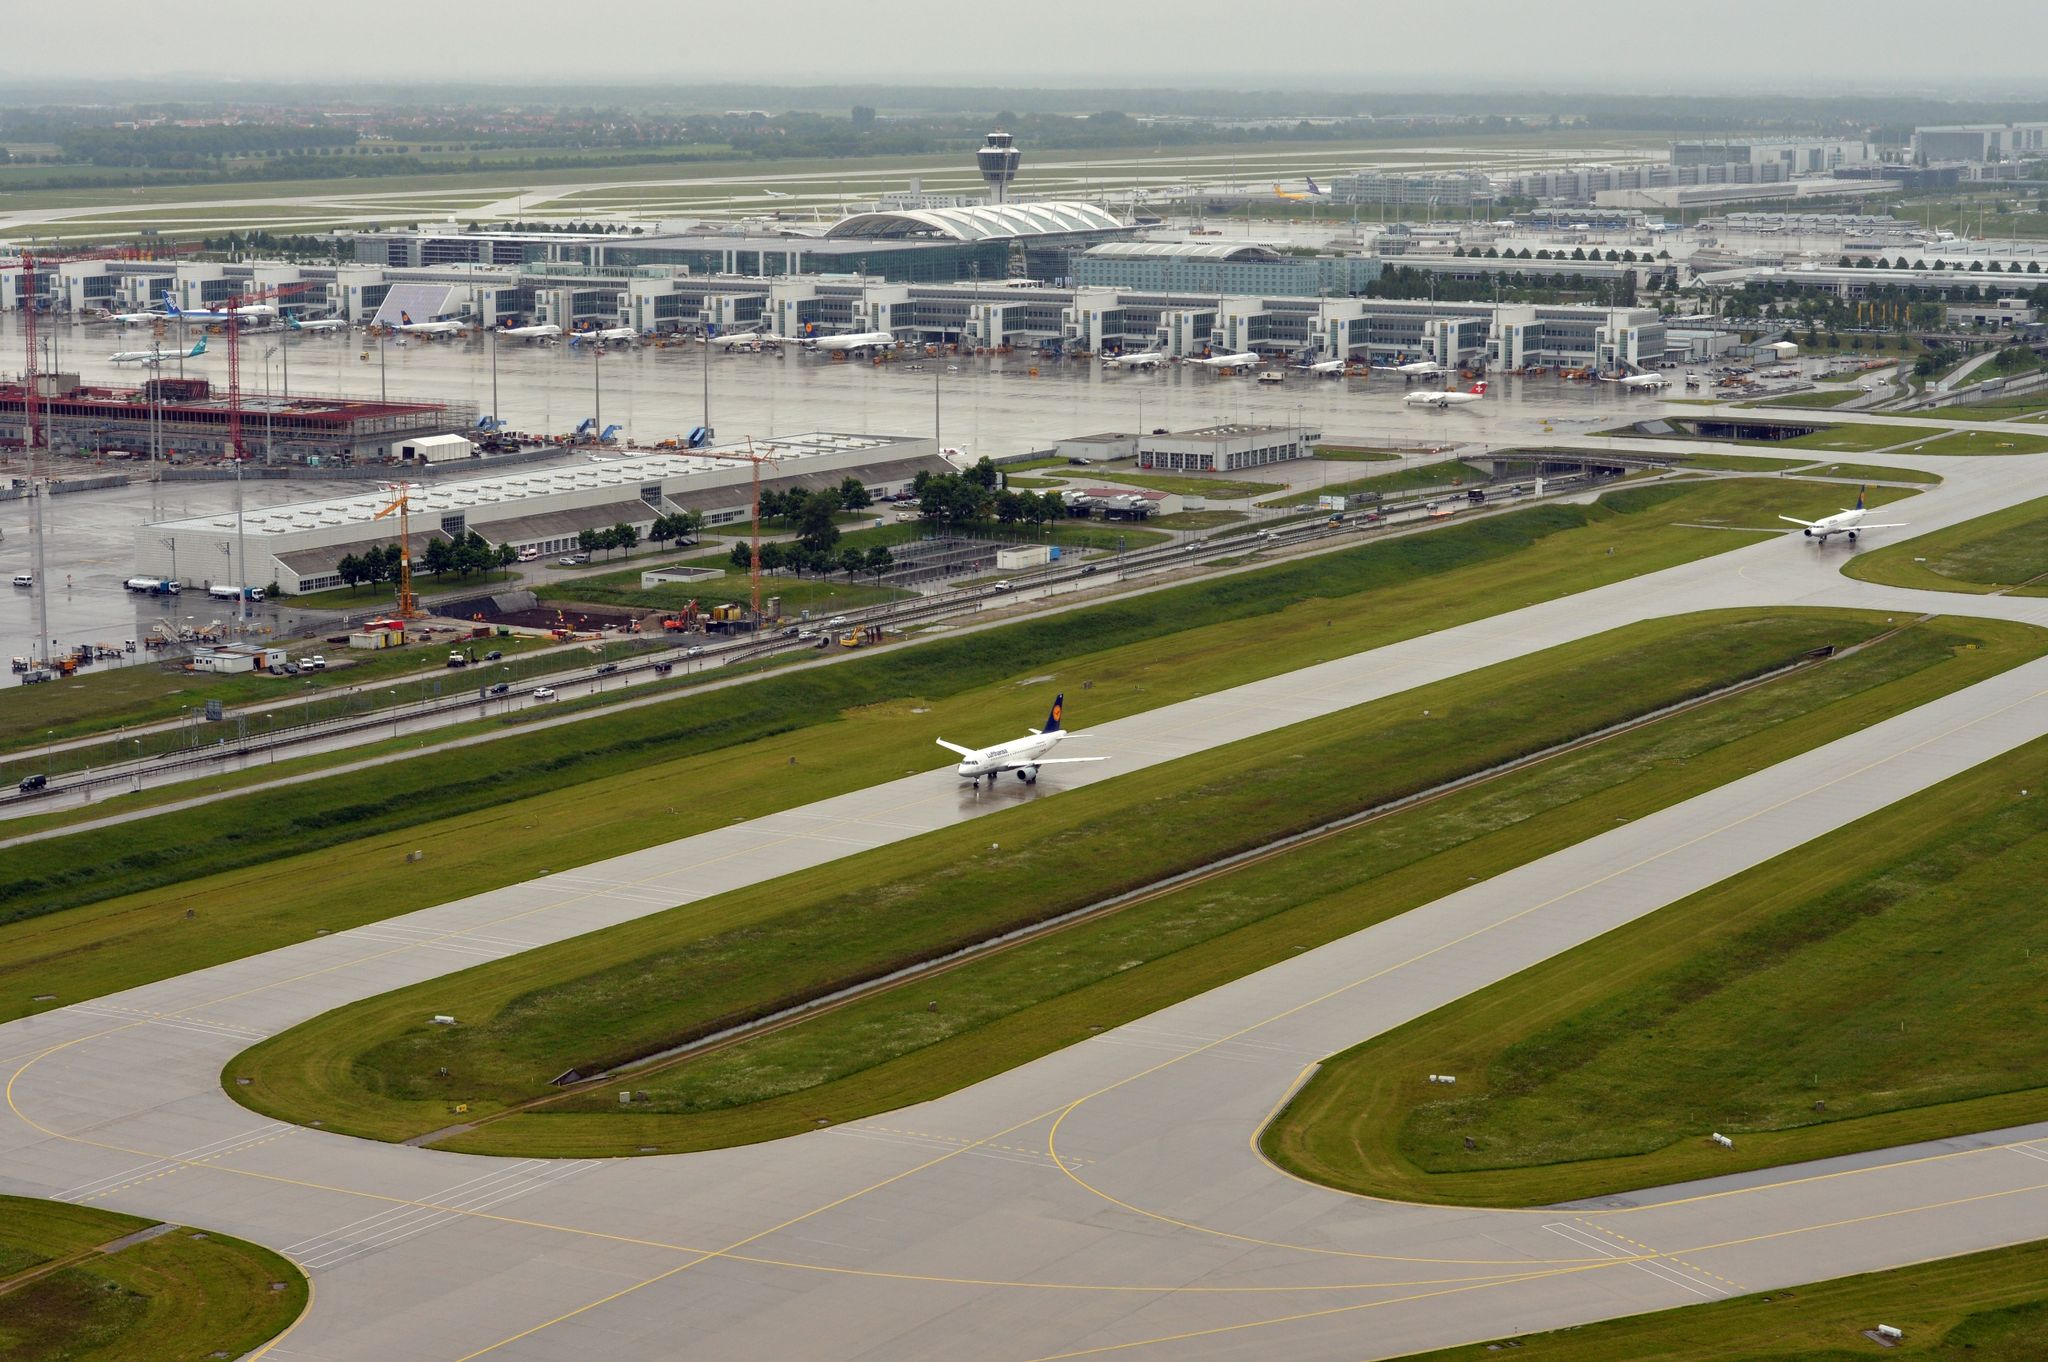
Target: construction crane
234 330
756 460
408 607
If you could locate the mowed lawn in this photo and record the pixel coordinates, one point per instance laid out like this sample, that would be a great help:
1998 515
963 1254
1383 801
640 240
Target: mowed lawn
1964 443
1981 1307
2004 551
1445 473
257 871
1876 987
183 1294
595 1002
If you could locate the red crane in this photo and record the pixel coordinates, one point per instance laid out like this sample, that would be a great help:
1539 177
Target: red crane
30 263
232 309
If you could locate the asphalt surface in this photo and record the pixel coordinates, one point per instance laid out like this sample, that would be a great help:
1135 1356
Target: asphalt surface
1106 1198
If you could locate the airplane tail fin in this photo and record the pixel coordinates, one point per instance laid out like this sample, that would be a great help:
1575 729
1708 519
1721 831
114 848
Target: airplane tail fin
198 348
1313 187
404 317
171 305
1859 499
1479 388
291 322
1052 720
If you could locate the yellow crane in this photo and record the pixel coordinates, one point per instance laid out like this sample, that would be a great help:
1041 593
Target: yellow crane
408 607
756 460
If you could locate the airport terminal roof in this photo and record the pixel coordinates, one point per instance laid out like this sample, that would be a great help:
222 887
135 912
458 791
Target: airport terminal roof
1185 250
981 222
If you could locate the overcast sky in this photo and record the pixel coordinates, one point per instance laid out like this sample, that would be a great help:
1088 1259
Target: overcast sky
1905 46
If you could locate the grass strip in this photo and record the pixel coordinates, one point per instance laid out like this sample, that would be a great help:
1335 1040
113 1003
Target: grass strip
182 1294
1856 993
1996 552
85 914
1981 1307
1449 472
1966 443
633 990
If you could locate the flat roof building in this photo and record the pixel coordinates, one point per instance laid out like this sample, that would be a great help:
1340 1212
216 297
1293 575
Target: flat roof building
1221 267
1226 448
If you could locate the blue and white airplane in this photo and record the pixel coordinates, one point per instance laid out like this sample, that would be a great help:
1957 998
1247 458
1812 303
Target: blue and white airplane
1024 756
253 312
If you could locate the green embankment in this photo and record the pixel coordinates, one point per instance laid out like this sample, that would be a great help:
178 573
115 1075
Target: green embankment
1963 443
80 916
1873 988
1982 1307
1812 399
1218 488
1740 463
2004 551
599 1000
1860 438
183 1294
1440 474
1870 472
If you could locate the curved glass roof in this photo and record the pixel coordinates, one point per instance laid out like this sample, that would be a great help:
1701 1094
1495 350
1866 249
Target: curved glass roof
1185 250
983 222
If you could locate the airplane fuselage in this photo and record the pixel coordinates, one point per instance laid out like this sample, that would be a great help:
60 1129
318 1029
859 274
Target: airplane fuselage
988 761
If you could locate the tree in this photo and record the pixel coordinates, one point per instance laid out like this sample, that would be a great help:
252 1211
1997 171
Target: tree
815 527
852 561
506 555
625 537
854 495
437 559
774 556
350 569
879 561
984 473
587 540
742 556
1009 507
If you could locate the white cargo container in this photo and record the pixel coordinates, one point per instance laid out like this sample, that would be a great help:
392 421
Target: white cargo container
1023 556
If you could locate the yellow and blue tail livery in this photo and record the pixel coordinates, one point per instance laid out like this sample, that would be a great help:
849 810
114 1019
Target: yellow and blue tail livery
1052 720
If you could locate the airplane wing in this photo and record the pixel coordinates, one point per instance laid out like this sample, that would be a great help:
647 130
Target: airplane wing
1894 525
956 747
1047 761
1797 521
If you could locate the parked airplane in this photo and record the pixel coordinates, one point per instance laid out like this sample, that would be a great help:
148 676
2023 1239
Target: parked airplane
1024 756
1329 368
858 340
537 332
152 358
749 340
1643 382
441 328
131 318
1417 368
1315 191
1847 521
251 312
319 324
1143 359
610 335
1446 397
1243 359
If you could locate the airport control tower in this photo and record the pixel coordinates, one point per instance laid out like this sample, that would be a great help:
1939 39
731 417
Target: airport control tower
998 160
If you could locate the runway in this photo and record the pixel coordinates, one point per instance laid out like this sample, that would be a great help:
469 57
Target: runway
1103 1200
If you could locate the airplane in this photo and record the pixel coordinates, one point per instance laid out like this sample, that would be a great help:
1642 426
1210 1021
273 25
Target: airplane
320 324
776 193
441 328
750 340
1329 368
1315 191
1415 368
131 318
1244 359
537 332
152 358
1446 397
1849 520
1024 756
253 312
1144 359
858 340
1642 382
610 334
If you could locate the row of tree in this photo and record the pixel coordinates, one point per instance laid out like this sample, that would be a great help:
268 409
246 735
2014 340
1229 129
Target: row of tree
963 499
1865 262
799 559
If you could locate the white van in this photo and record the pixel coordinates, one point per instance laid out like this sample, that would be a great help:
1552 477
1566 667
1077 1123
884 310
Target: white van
24 579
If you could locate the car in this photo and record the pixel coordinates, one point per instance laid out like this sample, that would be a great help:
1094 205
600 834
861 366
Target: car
543 693
24 579
837 622
456 659
291 669
607 668
315 663
36 678
1005 585
693 652
494 656
664 668
1090 570
30 784
806 635
502 688
573 559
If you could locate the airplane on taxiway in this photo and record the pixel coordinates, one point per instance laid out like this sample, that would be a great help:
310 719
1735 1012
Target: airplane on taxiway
1024 756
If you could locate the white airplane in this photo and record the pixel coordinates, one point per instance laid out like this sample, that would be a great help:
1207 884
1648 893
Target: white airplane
153 358
1144 359
610 335
412 328
1329 368
248 312
1446 397
776 193
1024 756
1417 368
131 318
858 340
749 340
1847 521
319 324
1639 382
537 332
1243 359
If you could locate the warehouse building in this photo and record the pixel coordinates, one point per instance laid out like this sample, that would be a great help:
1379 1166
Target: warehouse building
1226 448
300 546
1979 142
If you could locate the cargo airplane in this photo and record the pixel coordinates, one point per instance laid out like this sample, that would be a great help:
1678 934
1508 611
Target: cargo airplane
1446 397
1315 191
1847 521
1024 756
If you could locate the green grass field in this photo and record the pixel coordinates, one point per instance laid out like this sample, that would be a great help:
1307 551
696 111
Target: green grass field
1854 439
1740 463
1999 409
1982 1307
595 1001
77 921
2004 551
1197 520
1967 442
1812 399
1356 454
1218 488
184 1294
1873 472
1741 1009
1445 473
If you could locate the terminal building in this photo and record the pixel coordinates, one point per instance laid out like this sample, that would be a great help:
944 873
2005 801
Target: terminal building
300 546
1221 267
1980 142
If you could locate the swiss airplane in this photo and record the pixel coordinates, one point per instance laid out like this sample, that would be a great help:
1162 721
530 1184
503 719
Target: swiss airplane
1446 397
153 358
1024 756
538 332
1847 521
1143 359
1639 382
858 340
1243 359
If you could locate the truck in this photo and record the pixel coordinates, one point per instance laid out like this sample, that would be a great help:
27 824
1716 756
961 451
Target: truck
152 586
223 592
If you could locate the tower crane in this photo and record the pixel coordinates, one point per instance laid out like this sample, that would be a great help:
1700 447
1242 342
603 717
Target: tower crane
756 460
408 606
234 329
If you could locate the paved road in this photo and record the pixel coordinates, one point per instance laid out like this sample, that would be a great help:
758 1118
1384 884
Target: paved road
1103 1199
